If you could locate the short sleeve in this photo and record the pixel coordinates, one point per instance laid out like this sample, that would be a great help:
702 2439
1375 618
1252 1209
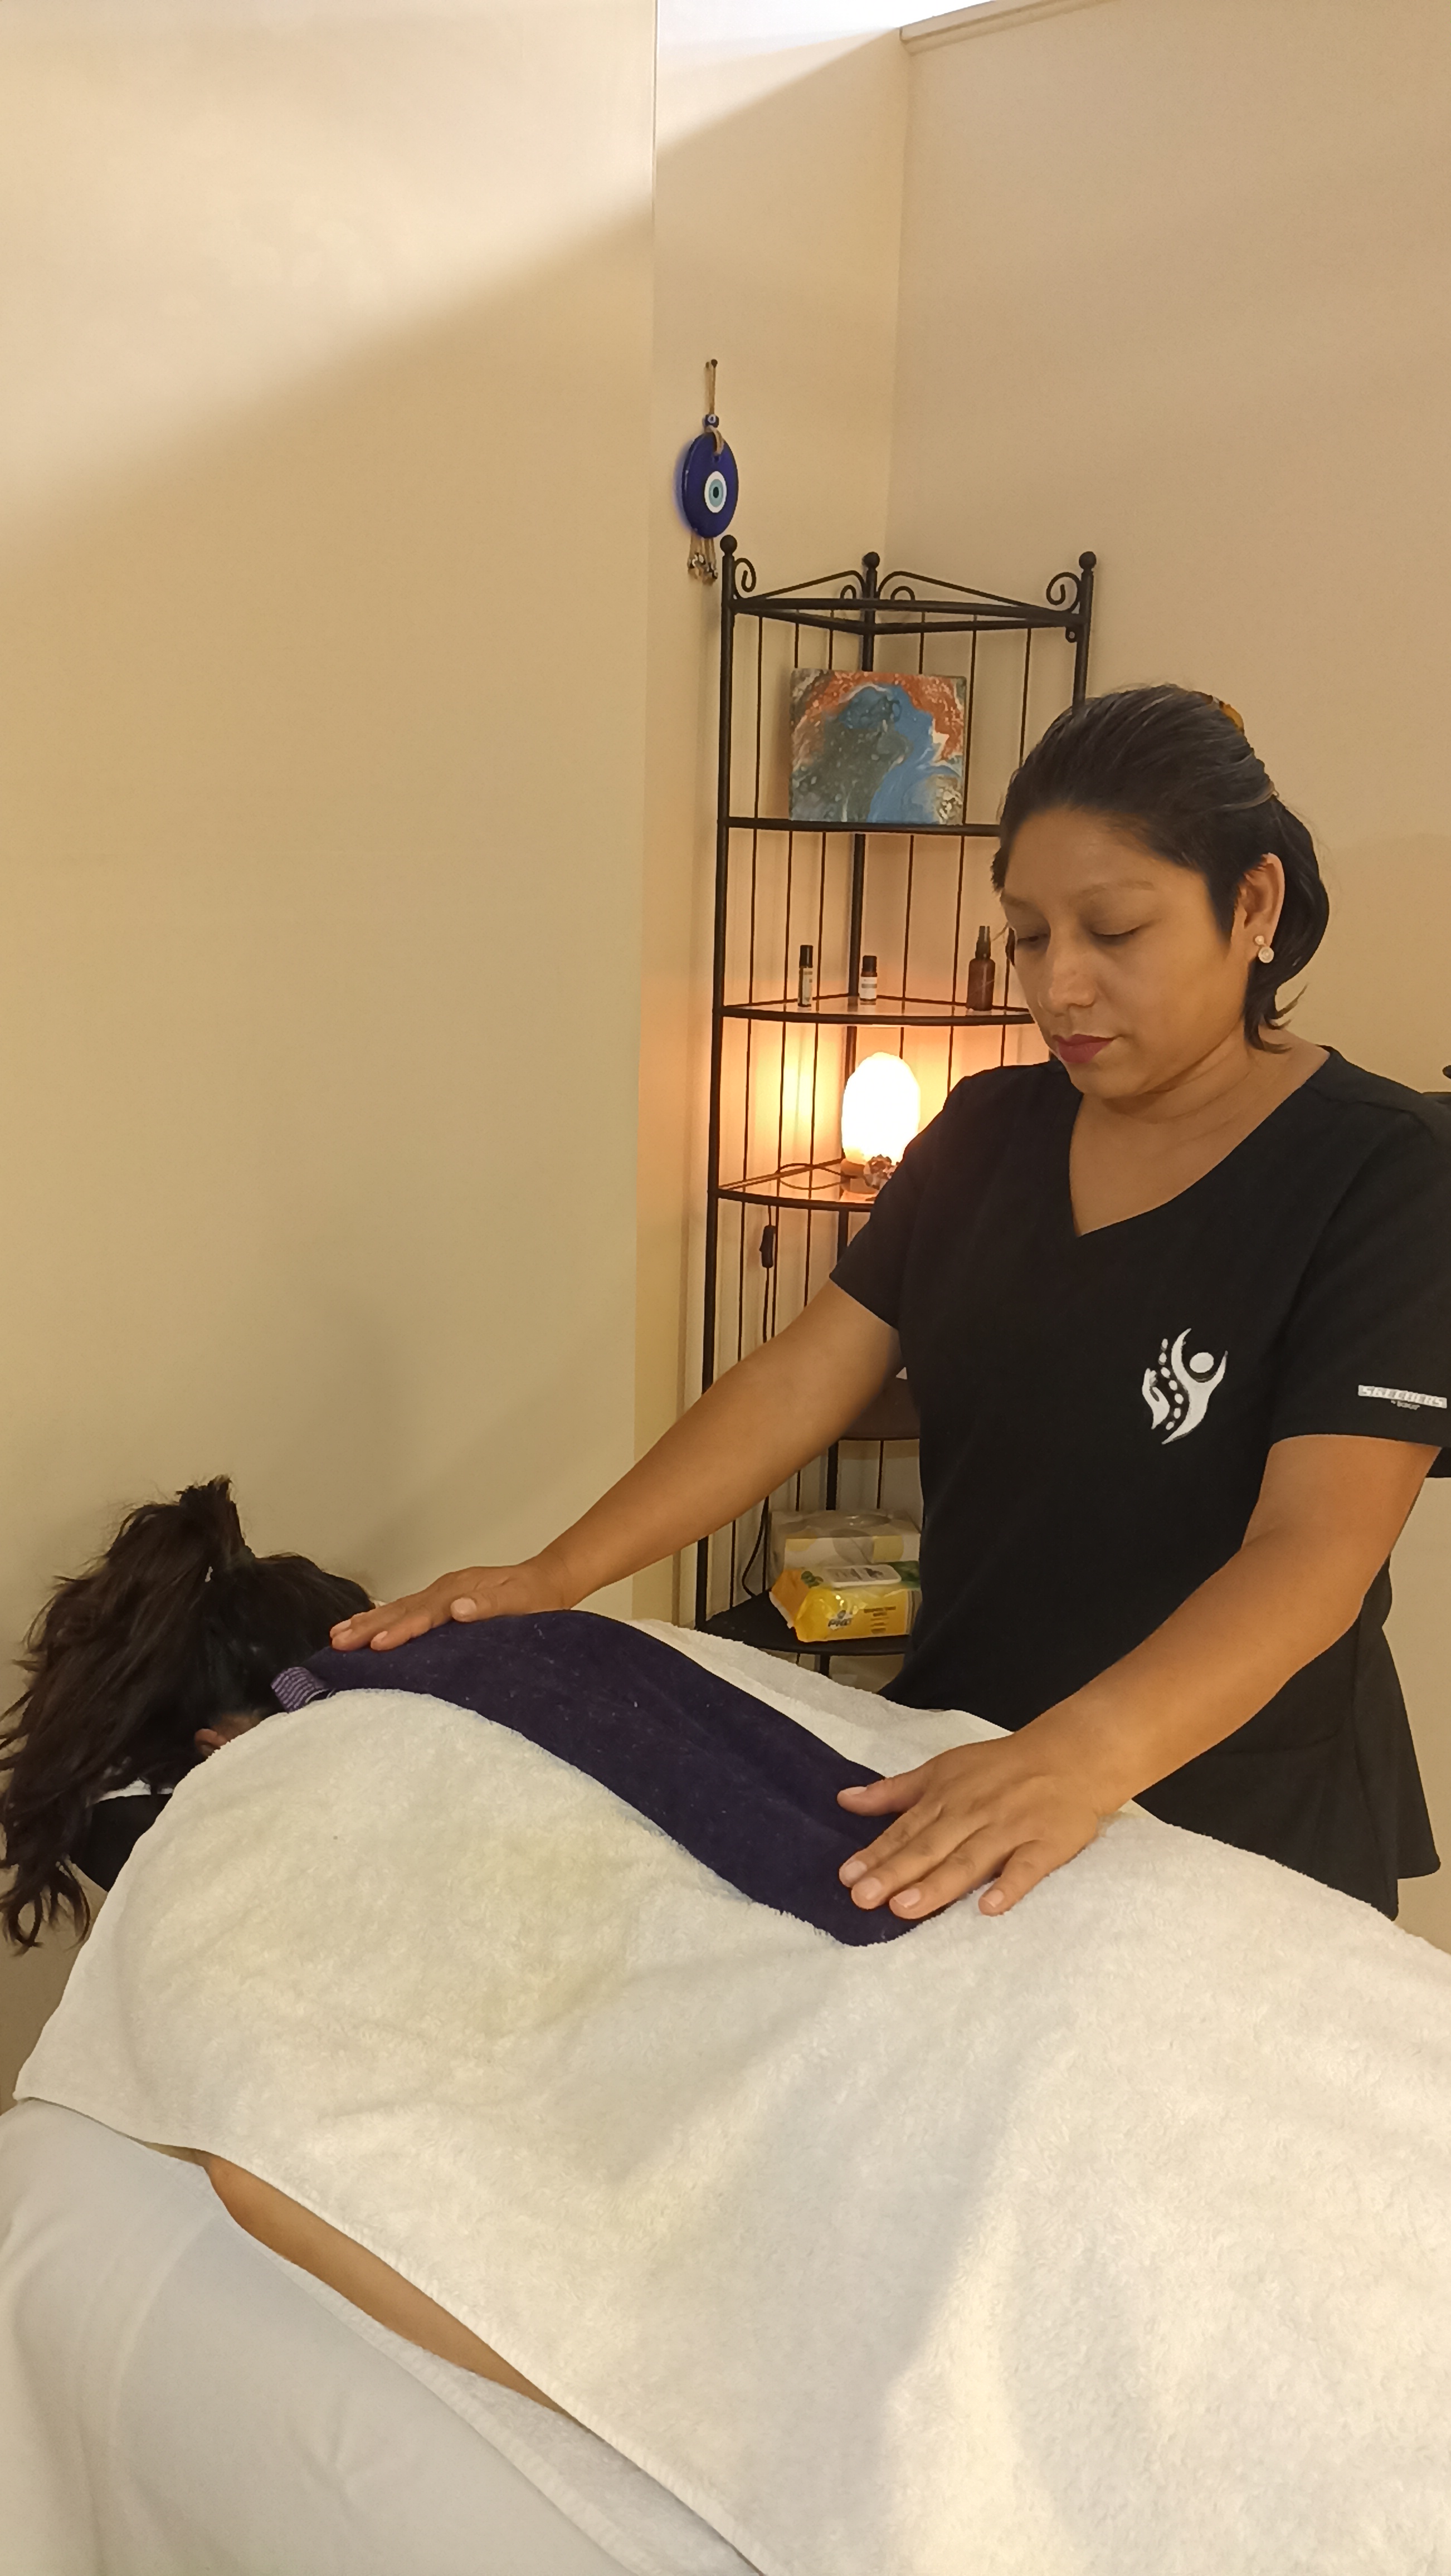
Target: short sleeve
1367 1349
874 1265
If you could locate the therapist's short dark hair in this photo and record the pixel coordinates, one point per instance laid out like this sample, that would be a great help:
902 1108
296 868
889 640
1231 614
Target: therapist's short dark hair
1174 768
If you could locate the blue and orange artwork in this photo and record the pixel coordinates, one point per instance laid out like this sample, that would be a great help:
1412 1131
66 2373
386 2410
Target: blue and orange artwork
876 747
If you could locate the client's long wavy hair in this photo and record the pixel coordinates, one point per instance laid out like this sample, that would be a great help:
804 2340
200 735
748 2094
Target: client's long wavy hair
176 1626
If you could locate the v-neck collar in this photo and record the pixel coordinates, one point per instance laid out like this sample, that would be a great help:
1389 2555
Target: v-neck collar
1145 1216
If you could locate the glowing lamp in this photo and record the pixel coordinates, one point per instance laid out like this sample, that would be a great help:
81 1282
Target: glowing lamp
881 1111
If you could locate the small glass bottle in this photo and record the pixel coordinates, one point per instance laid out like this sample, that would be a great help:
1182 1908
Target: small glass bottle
806 977
867 981
981 972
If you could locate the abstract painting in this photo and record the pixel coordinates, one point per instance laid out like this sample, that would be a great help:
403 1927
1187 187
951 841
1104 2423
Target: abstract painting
876 747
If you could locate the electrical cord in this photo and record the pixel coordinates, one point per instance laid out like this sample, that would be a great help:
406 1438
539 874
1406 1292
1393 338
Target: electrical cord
768 1264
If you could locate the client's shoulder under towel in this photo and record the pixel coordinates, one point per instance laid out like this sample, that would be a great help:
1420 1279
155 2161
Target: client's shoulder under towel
748 1792
1112 2238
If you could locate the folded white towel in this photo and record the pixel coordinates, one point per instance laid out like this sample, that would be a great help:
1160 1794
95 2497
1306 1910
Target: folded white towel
1109 2239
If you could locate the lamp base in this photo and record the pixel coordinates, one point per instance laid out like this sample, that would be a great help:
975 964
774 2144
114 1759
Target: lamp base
869 1175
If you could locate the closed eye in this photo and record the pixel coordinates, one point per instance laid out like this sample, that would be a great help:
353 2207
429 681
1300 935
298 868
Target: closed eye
1105 938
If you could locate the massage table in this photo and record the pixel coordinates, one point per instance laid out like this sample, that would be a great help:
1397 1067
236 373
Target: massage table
177 2401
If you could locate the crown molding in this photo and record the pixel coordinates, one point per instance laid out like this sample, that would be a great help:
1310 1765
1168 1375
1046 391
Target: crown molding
925 34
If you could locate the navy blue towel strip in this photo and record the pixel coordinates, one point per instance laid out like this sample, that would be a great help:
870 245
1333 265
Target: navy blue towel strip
741 1787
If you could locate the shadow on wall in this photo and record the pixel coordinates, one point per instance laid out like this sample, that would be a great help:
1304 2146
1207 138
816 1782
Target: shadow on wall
319 978
778 200
321 784
322 780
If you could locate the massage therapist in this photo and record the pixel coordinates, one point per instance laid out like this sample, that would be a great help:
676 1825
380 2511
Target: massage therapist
1175 1307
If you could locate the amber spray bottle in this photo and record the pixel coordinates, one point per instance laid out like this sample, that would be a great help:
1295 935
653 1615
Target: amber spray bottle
981 972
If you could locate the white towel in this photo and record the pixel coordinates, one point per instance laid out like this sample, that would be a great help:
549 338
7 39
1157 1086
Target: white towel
1112 2238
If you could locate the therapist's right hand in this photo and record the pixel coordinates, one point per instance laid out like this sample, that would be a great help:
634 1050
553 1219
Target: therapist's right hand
476 1592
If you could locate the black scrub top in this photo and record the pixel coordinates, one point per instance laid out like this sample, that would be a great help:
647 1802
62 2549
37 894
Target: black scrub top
112 1831
1097 1411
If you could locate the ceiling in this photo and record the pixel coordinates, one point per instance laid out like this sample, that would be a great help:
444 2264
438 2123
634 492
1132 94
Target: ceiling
771 24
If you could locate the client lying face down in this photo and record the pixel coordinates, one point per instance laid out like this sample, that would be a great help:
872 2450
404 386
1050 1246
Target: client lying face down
154 1657
158 1655
180 1640
1123 2217
128 1659
508 1985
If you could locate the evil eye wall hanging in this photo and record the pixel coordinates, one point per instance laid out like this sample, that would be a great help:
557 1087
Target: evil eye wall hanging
707 487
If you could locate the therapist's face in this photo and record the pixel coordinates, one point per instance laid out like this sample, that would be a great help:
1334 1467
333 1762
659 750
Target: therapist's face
1125 969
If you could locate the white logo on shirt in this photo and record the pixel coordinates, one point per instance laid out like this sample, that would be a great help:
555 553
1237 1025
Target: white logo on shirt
1403 1395
1177 1391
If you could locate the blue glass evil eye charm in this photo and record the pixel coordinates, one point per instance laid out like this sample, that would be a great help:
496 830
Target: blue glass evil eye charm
709 486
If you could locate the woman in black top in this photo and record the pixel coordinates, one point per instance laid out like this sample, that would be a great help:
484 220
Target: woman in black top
1176 1311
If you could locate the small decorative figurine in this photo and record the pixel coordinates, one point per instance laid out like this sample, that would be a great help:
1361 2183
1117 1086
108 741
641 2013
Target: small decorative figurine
707 486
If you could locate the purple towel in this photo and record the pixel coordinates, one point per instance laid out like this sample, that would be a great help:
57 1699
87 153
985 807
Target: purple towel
742 1788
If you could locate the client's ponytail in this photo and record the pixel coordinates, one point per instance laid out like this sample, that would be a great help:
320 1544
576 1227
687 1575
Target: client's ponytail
176 1625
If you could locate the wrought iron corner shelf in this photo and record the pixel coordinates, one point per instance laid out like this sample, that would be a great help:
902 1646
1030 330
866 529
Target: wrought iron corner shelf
816 1187
870 603
899 1011
778 886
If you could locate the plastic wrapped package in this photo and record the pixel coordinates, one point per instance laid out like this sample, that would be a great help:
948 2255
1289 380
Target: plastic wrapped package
842 1538
820 1602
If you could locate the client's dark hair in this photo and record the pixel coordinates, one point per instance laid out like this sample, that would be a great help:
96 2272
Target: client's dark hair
177 1625
1174 768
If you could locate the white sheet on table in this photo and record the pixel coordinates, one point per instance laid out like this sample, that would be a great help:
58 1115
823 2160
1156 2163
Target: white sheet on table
176 2401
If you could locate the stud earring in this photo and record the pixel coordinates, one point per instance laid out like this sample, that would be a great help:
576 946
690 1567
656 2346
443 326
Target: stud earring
1264 953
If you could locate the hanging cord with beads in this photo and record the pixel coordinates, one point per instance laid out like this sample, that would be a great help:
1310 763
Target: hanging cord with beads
701 559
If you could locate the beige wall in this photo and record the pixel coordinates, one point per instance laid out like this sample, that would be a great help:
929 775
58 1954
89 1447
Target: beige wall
335 896
1174 286
777 216
322 533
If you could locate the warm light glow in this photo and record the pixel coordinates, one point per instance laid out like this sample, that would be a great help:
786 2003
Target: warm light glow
881 1111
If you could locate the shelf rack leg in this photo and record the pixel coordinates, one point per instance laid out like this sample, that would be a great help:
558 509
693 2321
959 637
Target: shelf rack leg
717 1020
866 661
1079 632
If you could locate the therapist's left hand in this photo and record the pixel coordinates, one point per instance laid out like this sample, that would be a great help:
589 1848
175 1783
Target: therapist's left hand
981 1813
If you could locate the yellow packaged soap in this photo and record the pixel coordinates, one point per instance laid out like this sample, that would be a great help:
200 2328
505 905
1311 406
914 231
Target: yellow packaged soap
820 1602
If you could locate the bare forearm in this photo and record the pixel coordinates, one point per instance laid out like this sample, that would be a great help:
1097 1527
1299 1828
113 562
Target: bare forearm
1237 1640
765 1418
1329 1512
